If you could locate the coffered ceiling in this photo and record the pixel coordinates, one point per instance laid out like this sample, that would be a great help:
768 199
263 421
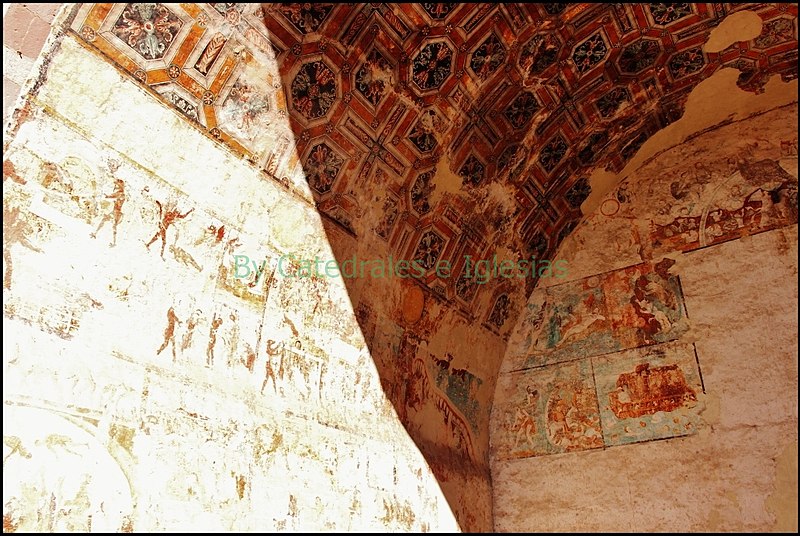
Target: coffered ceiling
427 111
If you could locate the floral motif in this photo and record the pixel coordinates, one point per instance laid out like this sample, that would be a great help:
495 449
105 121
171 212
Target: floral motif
589 53
373 77
306 18
510 156
553 153
421 191
149 29
686 62
471 172
88 33
466 286
639 55
244 109
390 213
774 32
538 54
432 65
429 249
488 57
423 135
521 109
322 167
664 14
438 11
313 90
610 103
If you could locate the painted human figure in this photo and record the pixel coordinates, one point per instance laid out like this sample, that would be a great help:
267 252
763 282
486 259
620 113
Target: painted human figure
15 231
191 323
118 195
234 338
273 349
250 357
524 423
216 322
167 216
169 332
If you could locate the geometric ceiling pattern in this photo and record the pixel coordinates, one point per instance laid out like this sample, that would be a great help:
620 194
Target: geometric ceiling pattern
531 97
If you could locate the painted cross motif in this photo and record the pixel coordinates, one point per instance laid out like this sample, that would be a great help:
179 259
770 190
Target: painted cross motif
475 115
377 145
542 199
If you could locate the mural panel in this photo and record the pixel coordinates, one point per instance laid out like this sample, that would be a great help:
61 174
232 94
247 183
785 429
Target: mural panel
649 393
645 305
574 323
548 410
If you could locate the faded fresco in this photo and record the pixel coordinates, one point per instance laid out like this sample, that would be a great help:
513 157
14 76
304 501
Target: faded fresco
645 305
636 395
148 340
159 141
573 321
649 393
636 306
752 196
549 411
693 260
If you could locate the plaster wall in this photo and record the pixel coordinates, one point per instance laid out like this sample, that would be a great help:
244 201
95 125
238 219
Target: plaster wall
148 388
665 367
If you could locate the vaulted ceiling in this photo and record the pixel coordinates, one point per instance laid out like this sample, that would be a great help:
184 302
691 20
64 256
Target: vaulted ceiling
467 126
